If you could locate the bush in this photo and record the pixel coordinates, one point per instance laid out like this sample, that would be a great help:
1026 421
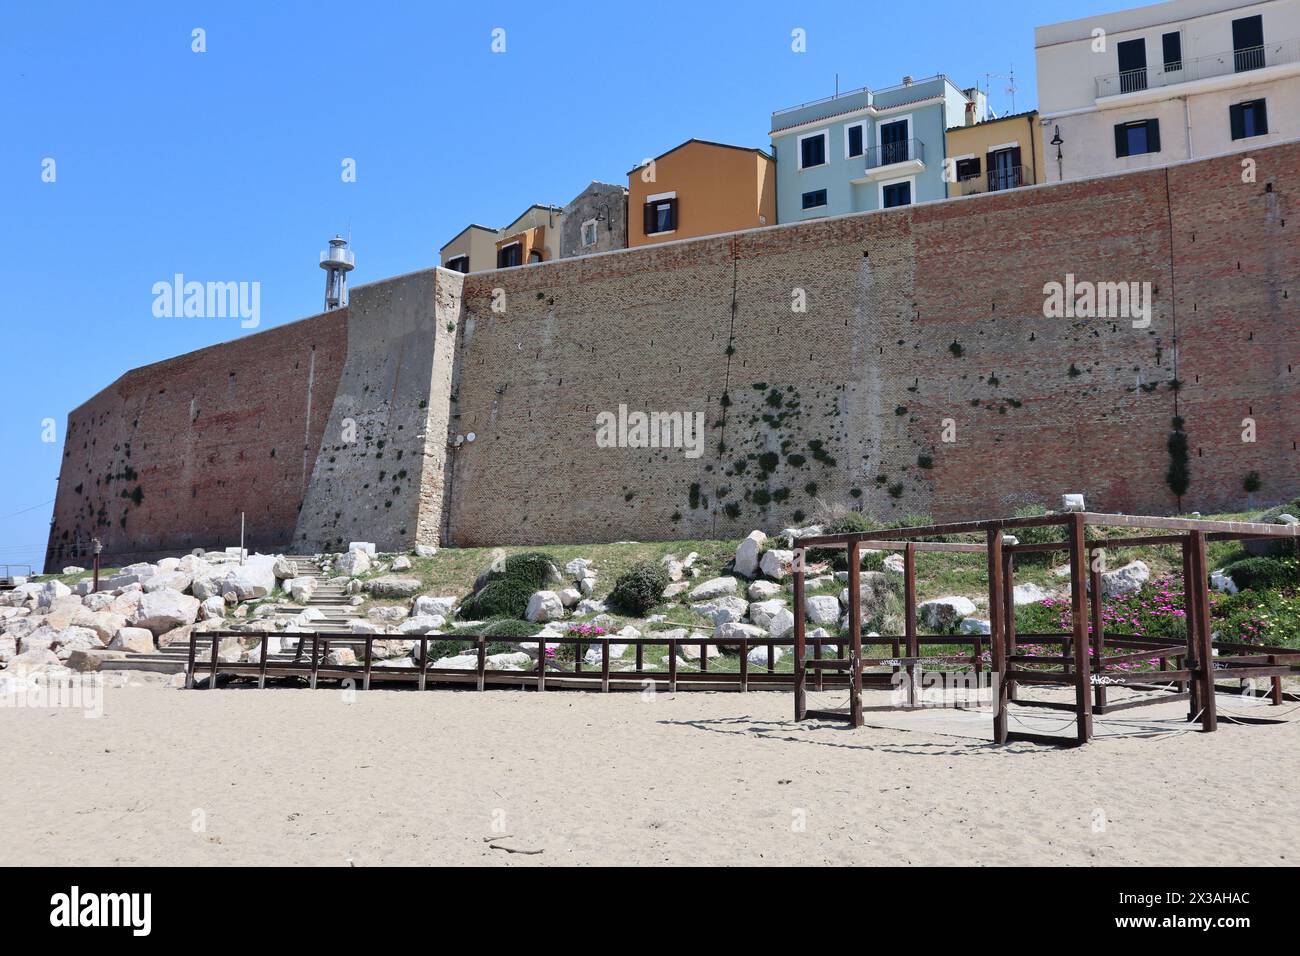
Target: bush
639 589
505 630
1263 574
505 592
1043 534
849 522
1258 617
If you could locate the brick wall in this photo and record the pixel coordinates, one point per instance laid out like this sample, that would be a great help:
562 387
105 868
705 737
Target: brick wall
165 458
830 360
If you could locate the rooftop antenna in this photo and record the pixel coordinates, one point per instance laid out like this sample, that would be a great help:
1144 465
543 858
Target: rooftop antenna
337 261
837 84
1009 89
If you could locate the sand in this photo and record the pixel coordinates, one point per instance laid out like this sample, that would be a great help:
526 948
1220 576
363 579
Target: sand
285 776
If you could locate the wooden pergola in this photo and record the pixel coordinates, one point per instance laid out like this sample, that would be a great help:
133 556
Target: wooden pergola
1082 663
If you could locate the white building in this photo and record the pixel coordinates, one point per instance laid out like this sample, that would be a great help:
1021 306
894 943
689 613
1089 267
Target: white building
1167 82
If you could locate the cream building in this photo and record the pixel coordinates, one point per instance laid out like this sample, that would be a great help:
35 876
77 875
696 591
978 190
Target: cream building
1166 82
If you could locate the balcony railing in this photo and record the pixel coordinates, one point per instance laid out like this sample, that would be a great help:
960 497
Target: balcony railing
1203 67
886 154
995 180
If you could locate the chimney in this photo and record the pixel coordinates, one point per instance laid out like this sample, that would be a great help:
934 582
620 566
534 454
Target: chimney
970 112
907 80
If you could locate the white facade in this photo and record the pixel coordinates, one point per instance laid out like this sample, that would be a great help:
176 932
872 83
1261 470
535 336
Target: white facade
1194 77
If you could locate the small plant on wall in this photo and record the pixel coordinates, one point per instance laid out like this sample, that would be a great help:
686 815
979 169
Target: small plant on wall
1178 477
1251 482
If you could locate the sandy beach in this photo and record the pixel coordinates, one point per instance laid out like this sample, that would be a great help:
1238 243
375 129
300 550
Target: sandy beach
451 777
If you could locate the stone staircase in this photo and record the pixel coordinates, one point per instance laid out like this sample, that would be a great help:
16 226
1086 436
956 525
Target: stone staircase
330 599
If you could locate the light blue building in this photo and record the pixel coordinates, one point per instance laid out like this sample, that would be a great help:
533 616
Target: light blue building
868 149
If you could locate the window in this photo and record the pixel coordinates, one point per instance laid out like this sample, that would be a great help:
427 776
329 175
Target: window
853 140
458 264
661 215
535 255
1004 168
1248 43
1172 45
1134 139
968 168
589 234
895 141
814 199
812 150
1248 119
896 194
1132 65
511 255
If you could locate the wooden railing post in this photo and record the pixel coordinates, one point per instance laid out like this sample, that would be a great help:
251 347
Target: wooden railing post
909 617
672 665
482 662
604 665
855 626
424 661
1096 607
189 667
370 644
744 666
800 672
315 657
1205 640
1079 617
1009 605
261 671
1000 666
212 673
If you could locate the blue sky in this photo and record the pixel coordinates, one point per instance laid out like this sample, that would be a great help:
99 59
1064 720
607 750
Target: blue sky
225 165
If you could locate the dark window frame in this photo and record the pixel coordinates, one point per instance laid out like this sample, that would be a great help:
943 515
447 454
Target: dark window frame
884 194
513 251
814 193
1257 110
452 264
1172 53
650 218
1123 143
824 137
861 130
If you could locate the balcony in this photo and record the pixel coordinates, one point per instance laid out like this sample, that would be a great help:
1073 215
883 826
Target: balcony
1201 68
902 158
995 180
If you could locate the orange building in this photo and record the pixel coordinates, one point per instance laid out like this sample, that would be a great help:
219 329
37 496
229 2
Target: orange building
700 189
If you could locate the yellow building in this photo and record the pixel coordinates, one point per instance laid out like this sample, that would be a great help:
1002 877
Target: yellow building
996 154
700 189
474 249
533 237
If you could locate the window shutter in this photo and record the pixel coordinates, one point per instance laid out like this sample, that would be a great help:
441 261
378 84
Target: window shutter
1153 136
1261 117
1121 140
672 213
648 218
1238 121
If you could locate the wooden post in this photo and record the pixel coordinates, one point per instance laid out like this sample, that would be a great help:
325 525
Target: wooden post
315 657
261 670
800 672
1189 610
1277 683
370 643
1205 640
672 665
996 644
482 662
541 662
424 660
855 626
1098 629
909 617
640 657
212 673
744 666
189 667
1079 616
1009 617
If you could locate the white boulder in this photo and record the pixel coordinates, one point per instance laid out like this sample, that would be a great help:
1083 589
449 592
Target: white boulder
777 564
945 612
822 609
747 553
1126 580
544 606
162 611
714 588
138 640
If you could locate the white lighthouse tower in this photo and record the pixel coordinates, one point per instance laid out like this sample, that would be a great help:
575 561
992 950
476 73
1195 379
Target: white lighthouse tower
337 261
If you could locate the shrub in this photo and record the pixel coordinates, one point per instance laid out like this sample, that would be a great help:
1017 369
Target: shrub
1258 617
1262 574
848 522
639 589
1043 534
505 592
